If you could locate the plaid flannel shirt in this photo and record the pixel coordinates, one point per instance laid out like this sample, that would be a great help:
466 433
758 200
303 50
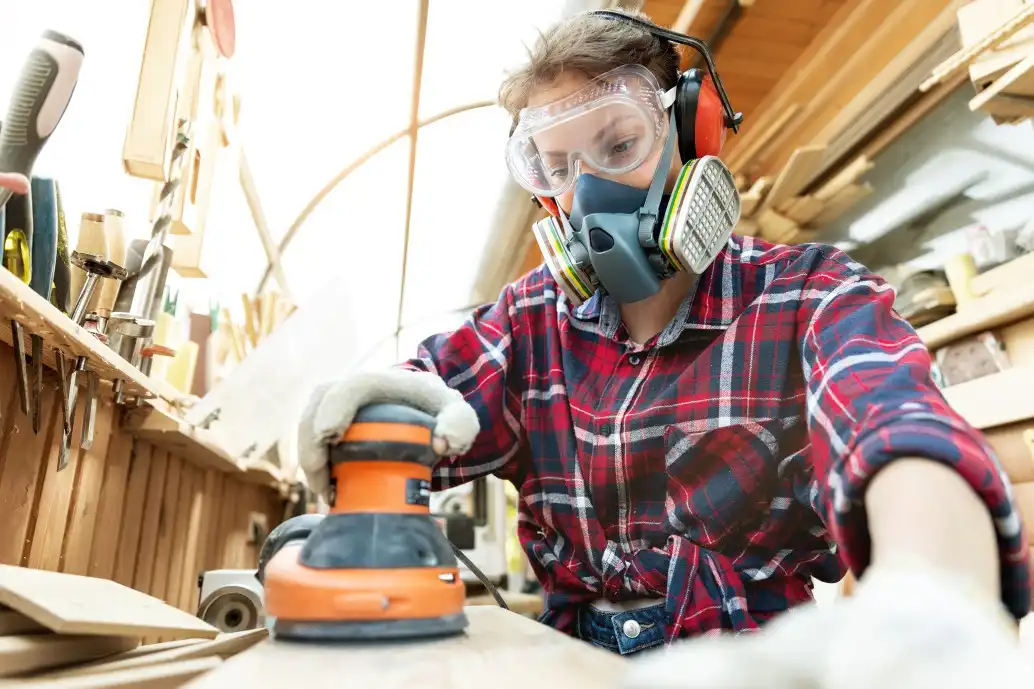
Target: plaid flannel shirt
722 464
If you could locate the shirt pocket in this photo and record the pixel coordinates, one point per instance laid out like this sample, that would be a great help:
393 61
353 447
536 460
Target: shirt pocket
721 481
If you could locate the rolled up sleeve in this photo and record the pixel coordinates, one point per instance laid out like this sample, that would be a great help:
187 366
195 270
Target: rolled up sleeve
871 399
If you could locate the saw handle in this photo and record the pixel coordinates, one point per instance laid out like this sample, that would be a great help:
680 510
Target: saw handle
38 102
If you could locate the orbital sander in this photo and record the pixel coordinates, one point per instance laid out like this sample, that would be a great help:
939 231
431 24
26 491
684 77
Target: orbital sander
378 566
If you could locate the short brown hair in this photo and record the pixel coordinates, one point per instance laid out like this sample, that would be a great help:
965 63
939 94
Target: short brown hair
589 45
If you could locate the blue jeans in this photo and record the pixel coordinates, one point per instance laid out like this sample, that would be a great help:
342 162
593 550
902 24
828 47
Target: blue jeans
622 632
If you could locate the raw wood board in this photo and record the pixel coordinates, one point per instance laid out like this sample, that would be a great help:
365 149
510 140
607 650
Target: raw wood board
164 676
73 604
223 646
994 400
33 652
981 314
500 648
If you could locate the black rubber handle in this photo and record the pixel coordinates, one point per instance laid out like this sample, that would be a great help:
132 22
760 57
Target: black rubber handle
40 97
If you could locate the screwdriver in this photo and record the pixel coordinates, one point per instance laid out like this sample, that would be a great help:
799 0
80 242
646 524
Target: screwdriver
17 259
44 256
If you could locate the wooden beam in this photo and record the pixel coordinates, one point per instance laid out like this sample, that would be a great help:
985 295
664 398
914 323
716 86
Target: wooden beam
687 15
834 44
894 33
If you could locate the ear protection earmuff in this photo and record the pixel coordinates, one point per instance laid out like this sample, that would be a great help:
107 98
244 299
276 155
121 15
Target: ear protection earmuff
703 113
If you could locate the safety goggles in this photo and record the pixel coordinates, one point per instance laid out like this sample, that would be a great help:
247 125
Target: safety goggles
611 125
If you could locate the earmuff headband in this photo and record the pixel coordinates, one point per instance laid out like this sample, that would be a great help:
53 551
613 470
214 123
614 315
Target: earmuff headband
733 119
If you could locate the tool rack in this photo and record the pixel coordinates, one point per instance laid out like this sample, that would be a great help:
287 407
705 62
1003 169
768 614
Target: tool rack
156 419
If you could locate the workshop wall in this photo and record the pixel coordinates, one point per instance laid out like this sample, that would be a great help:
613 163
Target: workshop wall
124 509
951 148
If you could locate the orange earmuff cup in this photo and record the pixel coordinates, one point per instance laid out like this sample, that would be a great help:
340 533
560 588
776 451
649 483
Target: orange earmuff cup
550 205
710 121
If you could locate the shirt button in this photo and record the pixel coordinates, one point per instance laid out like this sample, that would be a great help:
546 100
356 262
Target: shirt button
605 429
631 629
634 359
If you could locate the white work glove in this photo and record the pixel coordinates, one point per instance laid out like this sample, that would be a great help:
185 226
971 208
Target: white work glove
904 628
332 406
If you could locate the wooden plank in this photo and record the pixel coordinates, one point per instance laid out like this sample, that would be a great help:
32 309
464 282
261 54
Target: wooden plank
166 527
47 538
38 316
13 622
892 85
496 638
775 226
73 604
109 513
163 676
184 505
985 313
188 593
145 555
75 558
1004 276
1014 445
795 174
804 209
995 400
846 177
212 545
145 152
852 25
913 113
135 509
1019 80
223 646
224 544
841 203
22 654
894 31
22 458
740 156
155 423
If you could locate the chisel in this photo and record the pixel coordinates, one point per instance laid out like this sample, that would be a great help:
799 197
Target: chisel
44 255
18 260
60 292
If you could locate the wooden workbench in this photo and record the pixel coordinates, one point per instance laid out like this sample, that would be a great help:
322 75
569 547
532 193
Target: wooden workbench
500 649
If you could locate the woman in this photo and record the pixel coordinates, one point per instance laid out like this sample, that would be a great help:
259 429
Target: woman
693 448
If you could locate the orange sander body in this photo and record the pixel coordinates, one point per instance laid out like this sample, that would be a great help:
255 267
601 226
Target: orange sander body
378 566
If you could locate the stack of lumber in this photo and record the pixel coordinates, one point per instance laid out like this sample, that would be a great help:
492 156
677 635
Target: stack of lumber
998 53
783 213
64 631
852 92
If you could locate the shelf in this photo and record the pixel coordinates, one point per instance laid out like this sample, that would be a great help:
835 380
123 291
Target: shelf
39 317
997 309
158 420
996 399
158 424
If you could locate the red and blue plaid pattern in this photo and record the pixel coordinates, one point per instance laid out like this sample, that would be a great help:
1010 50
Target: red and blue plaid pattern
722 464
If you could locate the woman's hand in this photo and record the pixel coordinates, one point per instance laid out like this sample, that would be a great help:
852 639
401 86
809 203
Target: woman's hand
905 627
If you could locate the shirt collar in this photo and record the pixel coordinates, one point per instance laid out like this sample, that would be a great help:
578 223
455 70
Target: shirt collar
716 300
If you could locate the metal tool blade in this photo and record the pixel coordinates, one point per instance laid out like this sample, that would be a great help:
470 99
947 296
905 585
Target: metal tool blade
37 380
89 411
18 339
62 376
73 391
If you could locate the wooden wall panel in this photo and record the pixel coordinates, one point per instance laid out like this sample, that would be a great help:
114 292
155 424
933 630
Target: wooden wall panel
124 510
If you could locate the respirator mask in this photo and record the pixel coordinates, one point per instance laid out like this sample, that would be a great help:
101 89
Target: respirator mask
619 237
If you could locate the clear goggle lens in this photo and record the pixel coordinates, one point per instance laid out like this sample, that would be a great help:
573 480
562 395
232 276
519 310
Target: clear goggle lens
611 125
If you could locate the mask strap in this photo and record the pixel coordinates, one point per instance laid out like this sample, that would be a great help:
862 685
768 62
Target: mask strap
652 205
